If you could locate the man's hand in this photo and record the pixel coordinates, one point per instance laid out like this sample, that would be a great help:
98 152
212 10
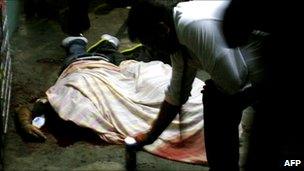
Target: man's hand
141 138
165 116
144 139
34 131
25 117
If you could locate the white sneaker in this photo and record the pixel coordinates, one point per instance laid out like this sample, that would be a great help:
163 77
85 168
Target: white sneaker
111 39
65 42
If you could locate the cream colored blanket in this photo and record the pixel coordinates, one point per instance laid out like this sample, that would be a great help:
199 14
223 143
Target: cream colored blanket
123 101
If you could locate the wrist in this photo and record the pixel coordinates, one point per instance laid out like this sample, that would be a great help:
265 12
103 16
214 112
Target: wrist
26 125
165 116
151 137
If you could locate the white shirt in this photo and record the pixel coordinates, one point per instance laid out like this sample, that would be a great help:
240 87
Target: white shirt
198 28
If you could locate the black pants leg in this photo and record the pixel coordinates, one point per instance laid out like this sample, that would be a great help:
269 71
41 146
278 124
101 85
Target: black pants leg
105 50
111 51
76 49
221 121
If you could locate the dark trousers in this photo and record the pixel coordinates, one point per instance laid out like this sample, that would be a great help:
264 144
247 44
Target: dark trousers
104 51
222 116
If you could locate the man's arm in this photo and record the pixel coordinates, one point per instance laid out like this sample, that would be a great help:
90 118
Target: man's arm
176 95
167 113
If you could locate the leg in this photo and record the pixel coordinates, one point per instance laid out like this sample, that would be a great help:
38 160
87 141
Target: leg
77 17
108 46
222 118
262 147
75 47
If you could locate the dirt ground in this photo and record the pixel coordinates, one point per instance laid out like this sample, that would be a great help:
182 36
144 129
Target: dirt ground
36 62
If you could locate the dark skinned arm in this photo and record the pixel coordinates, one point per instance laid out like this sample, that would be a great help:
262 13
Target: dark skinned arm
165 116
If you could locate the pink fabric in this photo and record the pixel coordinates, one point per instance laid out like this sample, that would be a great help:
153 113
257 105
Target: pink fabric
191 150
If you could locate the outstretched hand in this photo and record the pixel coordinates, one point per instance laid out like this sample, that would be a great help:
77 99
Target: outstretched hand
142 139
25 117
167 113
34 131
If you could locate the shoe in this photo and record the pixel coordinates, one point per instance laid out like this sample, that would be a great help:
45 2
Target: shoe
111 39
67 41
104 37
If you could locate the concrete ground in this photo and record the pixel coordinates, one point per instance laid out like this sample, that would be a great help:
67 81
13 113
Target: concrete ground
36 62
